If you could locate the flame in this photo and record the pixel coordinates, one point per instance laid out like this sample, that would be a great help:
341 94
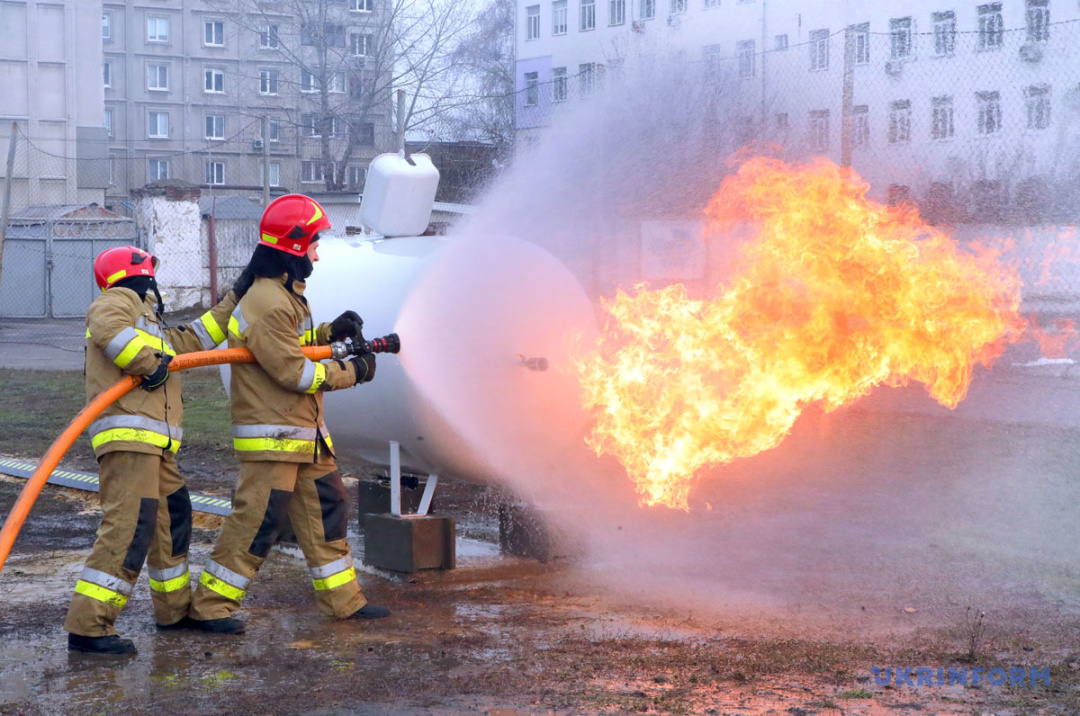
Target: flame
836 294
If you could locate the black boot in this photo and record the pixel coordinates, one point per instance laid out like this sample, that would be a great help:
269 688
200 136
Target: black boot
370 611
100 644
224 625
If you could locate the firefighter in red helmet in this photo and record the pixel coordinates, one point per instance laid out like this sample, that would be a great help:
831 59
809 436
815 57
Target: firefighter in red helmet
146 511
287 465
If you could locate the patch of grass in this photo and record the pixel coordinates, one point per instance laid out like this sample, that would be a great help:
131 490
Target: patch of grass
855 694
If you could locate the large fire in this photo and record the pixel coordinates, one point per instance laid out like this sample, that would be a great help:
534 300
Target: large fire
836 294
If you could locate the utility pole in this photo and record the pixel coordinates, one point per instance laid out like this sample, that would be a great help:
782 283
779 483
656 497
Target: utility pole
7 192
266 160
401 121
847 99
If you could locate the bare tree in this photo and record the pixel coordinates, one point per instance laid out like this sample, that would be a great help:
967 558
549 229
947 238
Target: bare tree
347 58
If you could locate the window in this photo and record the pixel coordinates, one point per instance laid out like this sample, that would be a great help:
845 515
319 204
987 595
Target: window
714 59
588 15
312 172
781 121
108 123
745 50
308 82
107 74
329 36
366 136
712 3
157 169
900 32
214 81
268 82
157 29
941 118
113 158
275 173
819 50
356 177
558 17
781 43
819 130
532 89
1038 20
310 126
860 40
532 22
359 45
860 130
900 122
215 172
559 84
616 12
991 26
274 130
648 9
157 77
944 32
268 37
678 6
361 5
989 112
586 78
157 125
1037 99
214 33
215 126
334 35
337 83
106 27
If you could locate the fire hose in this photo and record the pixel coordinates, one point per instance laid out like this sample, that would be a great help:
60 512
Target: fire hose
33 487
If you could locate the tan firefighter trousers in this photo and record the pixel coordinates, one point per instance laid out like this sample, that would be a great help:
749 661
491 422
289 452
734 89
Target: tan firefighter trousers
146 517
314 501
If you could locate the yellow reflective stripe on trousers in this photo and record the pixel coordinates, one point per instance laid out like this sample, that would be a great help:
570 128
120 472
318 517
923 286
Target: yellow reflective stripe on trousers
101 594
134 435
223 588
171 585
275 444
335 580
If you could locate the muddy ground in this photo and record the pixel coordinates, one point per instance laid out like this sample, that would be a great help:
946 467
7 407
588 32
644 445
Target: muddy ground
503 635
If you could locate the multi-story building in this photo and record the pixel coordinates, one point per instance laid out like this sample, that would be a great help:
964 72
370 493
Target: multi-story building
49 68
208 91
975 103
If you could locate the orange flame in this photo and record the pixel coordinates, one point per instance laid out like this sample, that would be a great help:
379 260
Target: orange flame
836 294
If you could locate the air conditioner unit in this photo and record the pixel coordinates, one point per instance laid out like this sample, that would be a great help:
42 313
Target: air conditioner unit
894 67
638 26
674 21
1031 52
257 145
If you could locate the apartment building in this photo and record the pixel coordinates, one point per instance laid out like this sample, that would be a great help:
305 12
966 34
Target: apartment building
208 91
925 98
49 68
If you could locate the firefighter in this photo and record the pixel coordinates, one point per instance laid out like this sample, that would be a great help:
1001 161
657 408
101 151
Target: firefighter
146 511
287 468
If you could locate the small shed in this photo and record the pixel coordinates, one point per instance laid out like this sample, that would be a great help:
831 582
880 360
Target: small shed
49 258
235 235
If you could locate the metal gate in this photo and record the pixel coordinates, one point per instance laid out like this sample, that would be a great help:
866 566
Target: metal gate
49 258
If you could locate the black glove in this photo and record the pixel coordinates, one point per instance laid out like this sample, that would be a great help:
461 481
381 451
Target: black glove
347 325
364 365
157 379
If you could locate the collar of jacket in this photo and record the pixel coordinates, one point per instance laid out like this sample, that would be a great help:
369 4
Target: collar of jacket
298 285
149 301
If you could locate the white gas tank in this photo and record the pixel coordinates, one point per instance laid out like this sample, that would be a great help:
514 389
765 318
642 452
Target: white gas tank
399 194
461 397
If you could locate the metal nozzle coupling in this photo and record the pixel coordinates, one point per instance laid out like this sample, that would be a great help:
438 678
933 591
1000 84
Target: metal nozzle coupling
538 364
389 343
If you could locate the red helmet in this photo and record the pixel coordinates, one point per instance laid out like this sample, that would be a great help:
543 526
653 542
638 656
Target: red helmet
291 222
114 264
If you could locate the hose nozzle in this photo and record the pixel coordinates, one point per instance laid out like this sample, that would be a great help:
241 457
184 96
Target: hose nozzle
390 343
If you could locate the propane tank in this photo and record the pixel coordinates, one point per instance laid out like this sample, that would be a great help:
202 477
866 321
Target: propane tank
484 383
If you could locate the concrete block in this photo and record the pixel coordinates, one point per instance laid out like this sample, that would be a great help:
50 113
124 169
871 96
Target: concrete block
410 543
523 532
373 497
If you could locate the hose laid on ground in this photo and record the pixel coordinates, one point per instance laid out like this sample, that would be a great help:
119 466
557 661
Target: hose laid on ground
94 408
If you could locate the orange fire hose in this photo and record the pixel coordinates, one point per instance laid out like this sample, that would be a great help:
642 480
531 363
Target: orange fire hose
94 408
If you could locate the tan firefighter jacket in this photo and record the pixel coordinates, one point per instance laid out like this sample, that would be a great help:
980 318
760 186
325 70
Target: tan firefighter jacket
123 337
277 403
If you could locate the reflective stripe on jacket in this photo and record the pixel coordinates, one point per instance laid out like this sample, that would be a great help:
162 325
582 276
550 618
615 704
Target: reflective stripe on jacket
123 337
277 402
